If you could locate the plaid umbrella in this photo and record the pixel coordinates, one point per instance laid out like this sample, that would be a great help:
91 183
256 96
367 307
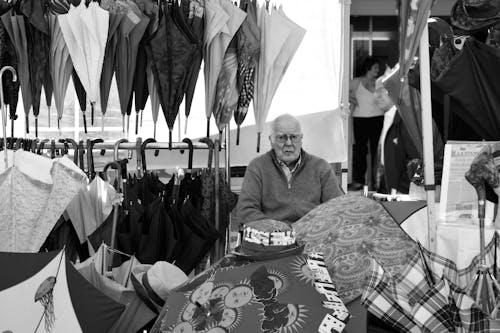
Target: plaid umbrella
280 39
237 295
430 293
15 26
248 56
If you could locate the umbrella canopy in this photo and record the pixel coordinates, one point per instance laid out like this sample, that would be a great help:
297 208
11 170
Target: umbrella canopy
222 20
8 57
236 295
61 65
15 26
36 191
428 294
85 31
153 92
130 32
117 10
44 290
280 39
350 231
170 61
248 56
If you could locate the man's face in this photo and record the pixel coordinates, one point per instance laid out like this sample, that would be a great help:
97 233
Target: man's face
286 140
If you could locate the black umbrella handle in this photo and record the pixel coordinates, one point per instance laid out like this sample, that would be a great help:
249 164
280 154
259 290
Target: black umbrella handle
238 135
170 139
258 142
208 127
136 123
12 127
91 114
27 121
36 127
84 121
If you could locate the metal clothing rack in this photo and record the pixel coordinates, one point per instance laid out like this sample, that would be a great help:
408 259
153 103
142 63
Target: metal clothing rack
220 248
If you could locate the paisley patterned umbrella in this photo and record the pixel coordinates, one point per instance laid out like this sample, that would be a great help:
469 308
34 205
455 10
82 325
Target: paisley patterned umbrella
350 230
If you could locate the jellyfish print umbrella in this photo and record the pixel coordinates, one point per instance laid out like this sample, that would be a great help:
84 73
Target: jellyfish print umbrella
85 32
15 26
280 39
117 10
248 57
130 32
44 292
61 65
171 53
8 57
222 20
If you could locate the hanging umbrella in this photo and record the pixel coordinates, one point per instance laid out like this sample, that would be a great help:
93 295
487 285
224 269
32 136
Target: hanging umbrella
41 188
140 87
170 63
242 296
61 65
153 92
248 56
44 292
222 20
117 10
85 32
350 231
197 25
130 32
15 26
280 39
8 57
80 94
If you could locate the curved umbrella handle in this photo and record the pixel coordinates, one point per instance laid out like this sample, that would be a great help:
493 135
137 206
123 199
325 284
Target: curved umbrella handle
52 149
138 152
191 153
211 147
75 149
143 152
33 145
65 150
116 147
90 156
41 146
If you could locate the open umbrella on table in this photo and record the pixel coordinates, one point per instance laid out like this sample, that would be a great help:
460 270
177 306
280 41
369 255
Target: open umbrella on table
85 32
130 32
350 231
117 10
15 26
42 292
171 53
8 57
222 20
280 39
61 65
195 18
236 295
248 57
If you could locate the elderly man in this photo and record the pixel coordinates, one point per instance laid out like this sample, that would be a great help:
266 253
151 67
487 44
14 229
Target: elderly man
286 182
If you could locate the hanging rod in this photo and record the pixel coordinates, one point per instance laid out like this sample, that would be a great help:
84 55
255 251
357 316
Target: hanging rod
133 146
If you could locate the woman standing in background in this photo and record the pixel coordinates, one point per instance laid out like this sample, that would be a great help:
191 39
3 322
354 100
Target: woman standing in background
368 119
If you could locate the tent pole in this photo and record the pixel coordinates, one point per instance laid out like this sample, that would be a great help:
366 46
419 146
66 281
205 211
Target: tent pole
344 83
428 147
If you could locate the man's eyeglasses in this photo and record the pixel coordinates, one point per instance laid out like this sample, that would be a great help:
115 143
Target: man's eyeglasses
282 138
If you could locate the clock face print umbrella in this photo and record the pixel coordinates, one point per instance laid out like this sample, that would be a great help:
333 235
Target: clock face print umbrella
85 32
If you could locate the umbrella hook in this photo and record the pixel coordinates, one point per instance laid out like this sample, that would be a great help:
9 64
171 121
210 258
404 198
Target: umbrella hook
75 149
138 152
52 149
191 153
41 146
90 156
3 109
211 146
143 152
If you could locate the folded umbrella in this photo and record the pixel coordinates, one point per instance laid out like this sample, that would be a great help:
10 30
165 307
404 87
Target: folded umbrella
248 56
222 20
280 39
15 26
153 92
130 32
61 65
85 32
43 291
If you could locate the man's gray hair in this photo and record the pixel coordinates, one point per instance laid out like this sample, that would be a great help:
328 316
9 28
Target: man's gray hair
279 119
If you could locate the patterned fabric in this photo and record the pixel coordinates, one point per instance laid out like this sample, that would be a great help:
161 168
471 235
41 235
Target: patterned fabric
31 207
442 58
236 295
474 17
349 231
